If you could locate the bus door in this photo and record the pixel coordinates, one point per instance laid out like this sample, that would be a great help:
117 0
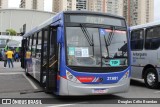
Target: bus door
49 59
53 60
44 58
23 50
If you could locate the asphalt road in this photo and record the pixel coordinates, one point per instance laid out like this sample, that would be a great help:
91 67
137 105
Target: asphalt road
14 84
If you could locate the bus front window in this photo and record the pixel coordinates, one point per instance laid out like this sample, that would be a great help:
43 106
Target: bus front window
96 47
83 49
114 47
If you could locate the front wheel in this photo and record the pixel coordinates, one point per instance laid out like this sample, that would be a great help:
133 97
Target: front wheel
151 78
44 84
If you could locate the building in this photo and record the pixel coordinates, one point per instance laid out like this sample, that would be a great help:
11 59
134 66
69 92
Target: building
139 11
63 5
3 4
97 5
32 4
115 7
16 18
82 5
126 10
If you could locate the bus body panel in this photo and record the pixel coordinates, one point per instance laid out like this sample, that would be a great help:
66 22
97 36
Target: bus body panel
140 59
136 72
158 72
87 83
98 78
98 89
68 87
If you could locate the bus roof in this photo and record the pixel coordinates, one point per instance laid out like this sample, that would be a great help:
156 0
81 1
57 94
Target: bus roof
59 17
92 13
145 25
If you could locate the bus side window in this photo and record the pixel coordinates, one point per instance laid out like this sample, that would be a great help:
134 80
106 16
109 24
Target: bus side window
137 39
152 41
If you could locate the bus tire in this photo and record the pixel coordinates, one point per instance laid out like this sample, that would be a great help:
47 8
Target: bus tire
26 72
44 84
151 78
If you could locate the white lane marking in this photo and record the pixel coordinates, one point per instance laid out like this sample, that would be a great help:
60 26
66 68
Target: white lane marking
64 105
33 85
11 73
157 92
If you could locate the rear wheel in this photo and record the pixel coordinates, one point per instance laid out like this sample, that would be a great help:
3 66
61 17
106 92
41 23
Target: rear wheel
26 71
151 78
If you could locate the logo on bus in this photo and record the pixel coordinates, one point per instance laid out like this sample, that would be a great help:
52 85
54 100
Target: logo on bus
140 54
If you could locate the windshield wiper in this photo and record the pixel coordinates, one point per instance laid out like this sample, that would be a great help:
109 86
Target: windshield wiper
109 40
88 37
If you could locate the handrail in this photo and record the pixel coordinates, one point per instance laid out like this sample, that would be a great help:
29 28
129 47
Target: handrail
49 59
53 63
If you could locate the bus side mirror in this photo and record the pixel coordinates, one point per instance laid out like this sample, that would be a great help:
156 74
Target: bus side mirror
59 35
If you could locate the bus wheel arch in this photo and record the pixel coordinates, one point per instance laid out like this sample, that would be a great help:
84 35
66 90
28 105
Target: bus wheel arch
145 68
150 76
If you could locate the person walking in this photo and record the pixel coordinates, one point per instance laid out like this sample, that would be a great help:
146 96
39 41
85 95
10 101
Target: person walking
16 56
5 59
28 57
1 55
9 54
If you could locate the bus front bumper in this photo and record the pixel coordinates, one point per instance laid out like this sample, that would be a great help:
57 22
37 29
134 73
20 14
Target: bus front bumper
68 88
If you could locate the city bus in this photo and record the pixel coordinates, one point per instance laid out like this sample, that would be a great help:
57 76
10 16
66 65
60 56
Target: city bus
145 50
79 53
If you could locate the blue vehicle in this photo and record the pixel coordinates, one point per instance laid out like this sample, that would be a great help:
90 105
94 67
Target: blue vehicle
79 53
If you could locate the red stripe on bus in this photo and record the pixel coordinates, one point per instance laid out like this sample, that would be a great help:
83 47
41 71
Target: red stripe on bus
85 79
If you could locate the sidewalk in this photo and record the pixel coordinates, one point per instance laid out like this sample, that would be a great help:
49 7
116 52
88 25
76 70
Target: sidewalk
16 68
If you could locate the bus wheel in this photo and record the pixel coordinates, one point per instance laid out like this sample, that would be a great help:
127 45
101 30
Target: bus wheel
44 80
26 71
44 84
151 78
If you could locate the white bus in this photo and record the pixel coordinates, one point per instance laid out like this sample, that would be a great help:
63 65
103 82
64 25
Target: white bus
145 47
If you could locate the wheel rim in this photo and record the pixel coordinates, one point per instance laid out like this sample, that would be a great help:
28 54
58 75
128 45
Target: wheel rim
44 79
151 78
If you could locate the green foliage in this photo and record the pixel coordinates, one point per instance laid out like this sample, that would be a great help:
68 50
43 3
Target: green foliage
12 32
6 48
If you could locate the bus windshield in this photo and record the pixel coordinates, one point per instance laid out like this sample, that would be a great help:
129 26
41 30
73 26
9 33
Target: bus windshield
96 48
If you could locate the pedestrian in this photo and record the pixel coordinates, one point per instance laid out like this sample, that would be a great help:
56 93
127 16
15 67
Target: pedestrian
9 54
28 57
5 59
1 55
16 56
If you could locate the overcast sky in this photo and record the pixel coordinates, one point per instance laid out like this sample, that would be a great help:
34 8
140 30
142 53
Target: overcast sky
48 6
157 10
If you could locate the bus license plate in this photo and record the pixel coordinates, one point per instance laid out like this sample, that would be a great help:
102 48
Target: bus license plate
99 91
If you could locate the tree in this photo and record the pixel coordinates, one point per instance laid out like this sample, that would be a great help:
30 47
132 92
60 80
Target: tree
11 31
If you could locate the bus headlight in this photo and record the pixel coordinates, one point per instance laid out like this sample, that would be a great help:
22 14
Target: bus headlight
71 77
126 75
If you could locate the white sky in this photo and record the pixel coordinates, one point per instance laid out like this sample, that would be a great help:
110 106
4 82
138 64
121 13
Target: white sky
48 6
157 10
